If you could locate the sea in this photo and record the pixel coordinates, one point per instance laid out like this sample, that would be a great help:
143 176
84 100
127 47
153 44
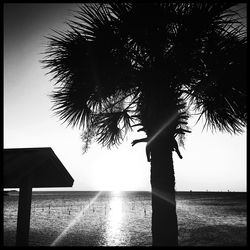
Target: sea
91 218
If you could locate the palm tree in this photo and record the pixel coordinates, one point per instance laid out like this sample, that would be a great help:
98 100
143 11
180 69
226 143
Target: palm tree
124 65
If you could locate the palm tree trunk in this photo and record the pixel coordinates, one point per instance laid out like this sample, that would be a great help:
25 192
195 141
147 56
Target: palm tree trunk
164 218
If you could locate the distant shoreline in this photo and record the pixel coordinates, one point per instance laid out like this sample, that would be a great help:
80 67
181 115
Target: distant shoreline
10 192
34 192
145 191
125 191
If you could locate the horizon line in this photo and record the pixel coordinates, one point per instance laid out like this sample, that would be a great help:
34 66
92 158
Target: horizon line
189 191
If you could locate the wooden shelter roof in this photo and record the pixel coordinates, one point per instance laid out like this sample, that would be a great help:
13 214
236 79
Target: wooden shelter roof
40 165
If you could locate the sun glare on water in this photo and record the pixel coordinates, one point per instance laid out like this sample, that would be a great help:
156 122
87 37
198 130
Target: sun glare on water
115 220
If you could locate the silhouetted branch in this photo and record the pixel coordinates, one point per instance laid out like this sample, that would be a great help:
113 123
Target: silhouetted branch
139 140
136 125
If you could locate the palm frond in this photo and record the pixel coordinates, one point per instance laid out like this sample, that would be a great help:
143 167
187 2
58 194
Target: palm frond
88 71
71 106
112 121
221 93
127 64
108 132
87 138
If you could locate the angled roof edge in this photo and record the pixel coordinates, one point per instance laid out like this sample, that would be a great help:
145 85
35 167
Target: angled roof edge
50 155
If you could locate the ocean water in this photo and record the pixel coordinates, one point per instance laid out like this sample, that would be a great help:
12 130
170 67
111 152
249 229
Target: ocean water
124 219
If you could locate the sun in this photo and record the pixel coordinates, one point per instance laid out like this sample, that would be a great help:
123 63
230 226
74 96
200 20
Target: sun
120 169
115 184
116 189
109 180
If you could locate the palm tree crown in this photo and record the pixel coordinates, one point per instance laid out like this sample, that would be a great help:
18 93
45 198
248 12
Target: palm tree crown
129 64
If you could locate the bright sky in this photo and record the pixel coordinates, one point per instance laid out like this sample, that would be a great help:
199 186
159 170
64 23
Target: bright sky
215 162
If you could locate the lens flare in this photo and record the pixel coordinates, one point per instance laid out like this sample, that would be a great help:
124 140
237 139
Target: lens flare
74 221
166 124
163 196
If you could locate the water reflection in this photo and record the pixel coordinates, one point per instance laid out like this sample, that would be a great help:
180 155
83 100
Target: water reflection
75 220
115 219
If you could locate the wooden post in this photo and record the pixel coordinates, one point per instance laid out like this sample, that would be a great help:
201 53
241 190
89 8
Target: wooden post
23 218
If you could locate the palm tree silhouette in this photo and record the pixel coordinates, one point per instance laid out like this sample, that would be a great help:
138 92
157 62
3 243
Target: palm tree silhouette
124 65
